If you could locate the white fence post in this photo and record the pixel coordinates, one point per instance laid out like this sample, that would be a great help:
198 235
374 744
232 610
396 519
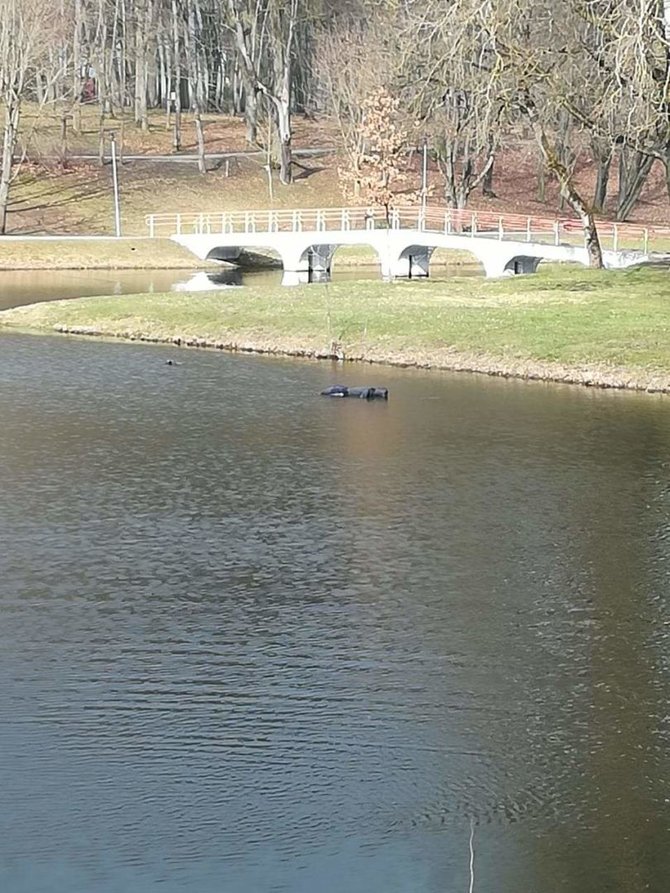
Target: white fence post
501 229
646 241
615 237
151 226
473 225
178 224
557 232
529 230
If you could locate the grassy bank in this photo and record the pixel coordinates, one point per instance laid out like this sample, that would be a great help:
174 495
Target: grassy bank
588 327
96 254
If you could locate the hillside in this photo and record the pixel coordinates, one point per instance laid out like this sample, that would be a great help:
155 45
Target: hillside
61 192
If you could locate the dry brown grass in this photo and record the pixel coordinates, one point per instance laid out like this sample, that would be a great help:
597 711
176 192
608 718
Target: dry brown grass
77 198
89 254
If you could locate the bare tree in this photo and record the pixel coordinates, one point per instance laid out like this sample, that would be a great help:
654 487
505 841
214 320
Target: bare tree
271 73
27 28
353 65
451 90
537 79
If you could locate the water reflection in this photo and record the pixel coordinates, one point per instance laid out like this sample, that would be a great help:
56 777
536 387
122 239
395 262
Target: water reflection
31 286
207 281
253 639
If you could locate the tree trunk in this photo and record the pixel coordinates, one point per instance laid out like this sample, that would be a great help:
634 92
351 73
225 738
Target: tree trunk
76 66
251 112
603 158
568 189
10 135
634 169
176 50
487 181
200 136
283 112
141 64
541 180
194 77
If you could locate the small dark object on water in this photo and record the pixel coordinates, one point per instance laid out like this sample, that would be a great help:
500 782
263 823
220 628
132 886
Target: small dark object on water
340 390
172 363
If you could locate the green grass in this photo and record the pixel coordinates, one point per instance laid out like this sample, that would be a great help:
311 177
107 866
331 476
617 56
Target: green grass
598 327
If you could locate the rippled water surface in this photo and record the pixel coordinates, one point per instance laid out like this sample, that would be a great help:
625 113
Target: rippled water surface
252 639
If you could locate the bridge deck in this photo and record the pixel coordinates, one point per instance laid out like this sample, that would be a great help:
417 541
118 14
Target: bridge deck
512 227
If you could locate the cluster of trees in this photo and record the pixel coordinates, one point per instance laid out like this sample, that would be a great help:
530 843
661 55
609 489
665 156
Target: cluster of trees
467 75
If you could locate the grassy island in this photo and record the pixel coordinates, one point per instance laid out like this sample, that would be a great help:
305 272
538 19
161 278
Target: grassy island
589 327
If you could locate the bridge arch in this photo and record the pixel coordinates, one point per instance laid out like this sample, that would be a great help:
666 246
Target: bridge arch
363 255
316 260
414 262
459 261
257 256
521 264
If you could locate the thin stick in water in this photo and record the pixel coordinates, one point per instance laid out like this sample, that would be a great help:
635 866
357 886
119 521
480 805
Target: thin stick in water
472 856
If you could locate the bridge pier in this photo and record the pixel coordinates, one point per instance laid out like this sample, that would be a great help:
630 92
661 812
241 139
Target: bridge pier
306 264
319 262
413 263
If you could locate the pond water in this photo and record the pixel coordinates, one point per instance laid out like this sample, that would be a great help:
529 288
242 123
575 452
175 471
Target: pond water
252 639
31 286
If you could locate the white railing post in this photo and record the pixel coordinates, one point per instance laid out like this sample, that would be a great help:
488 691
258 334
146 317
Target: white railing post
501 230
299 221
178 224
615 237
246 221
151 226
529 230
557 232
646 241
473 225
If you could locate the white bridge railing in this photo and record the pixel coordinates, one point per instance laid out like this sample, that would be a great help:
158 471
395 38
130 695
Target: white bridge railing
514 227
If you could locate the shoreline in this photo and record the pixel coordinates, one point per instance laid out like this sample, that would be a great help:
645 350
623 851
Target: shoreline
83 253
599 329
620 379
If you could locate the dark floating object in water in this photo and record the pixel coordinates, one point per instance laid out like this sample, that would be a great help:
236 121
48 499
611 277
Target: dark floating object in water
340 390
172 363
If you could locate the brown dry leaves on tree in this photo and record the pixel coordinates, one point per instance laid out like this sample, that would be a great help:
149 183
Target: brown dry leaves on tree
378 177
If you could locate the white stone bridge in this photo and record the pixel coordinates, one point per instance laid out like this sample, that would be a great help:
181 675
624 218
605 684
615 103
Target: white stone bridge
306 240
